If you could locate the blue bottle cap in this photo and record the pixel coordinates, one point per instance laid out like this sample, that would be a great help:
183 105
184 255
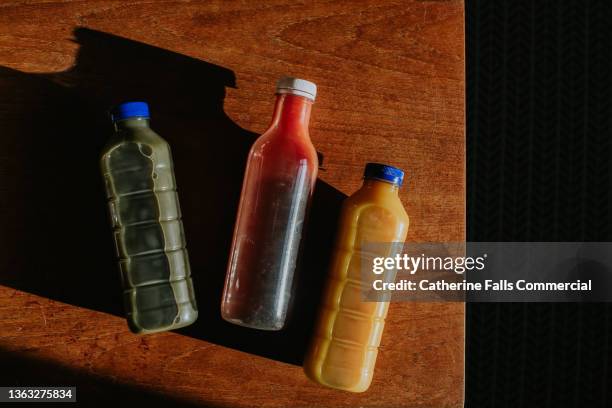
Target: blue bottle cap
127 110
383 172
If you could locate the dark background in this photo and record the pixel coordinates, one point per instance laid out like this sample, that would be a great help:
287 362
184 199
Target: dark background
539 168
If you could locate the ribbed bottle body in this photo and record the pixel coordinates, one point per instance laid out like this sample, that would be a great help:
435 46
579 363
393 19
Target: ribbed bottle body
148 231
345 344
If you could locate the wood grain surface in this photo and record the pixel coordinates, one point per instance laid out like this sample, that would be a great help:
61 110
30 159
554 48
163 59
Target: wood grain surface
391 89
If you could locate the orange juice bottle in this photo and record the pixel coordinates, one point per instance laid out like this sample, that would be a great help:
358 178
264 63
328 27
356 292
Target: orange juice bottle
344 347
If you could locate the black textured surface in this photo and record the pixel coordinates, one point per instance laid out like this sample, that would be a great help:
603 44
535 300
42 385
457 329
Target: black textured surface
539 168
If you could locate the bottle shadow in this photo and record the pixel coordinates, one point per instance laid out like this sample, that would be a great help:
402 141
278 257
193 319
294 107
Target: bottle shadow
22 370
57 239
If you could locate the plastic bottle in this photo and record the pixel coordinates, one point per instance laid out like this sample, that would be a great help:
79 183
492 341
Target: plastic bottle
146 218
343 351
279 180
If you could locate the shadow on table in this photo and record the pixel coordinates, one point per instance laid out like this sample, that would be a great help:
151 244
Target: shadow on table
56 238
20 370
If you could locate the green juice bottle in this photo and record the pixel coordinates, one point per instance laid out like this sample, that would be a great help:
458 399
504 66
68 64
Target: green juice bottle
146 218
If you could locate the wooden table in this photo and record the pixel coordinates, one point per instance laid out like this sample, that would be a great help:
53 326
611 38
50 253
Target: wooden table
391 89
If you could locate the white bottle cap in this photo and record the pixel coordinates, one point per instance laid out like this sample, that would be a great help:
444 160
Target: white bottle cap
296 86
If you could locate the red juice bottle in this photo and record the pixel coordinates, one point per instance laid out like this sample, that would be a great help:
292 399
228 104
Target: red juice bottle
279 180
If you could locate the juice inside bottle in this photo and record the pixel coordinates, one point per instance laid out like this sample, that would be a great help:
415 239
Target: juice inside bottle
279 180
146 218
344 347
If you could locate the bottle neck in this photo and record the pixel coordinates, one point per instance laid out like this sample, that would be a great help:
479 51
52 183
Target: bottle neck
291 115
380 187
131 123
